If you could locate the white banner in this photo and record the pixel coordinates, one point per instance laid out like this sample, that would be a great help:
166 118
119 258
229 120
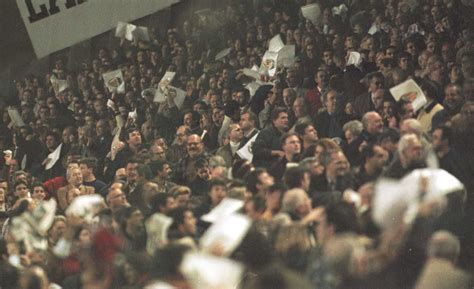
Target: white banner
56 24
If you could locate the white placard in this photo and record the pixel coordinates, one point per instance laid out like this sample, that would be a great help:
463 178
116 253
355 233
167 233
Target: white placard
15 117
53 157
55 25
354 59
411 91
132 32
59 85
246 151
312 12
226 207
269 63
275 44
225 234
286 56
113 80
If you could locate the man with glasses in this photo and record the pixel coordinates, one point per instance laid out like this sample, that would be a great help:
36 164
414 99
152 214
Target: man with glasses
186 171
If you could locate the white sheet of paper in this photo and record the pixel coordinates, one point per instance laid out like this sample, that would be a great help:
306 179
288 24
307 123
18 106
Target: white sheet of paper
86 207
395 199
115 143
15 117
373 29
251 73
209 272
223 53
32 227
410 90
246 151
157 229
180 96
252 87
131 32
226 207
269 63
286 56
354 59
275 44
59 85
312 12
113 79
226 234
53 157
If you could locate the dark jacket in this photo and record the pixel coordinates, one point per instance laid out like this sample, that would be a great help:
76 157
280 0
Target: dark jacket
267 140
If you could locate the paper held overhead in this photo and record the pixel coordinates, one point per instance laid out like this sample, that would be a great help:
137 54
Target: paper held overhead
113 80
312 12
59 85
394 199
354 59
269 63
53 157
275 44
226 234
409 90
15 117
163 86
132 32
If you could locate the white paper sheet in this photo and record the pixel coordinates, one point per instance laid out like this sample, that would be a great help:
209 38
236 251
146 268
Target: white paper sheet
398 200
269 63
223 53
15 117
210 272
225 234
226 207
275 44
286 56
131 32
312 12
53 157
113 79
410 90
246 151
59 85
354 59
86 207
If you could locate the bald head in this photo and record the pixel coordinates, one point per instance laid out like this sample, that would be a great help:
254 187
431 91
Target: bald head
194 145
373 123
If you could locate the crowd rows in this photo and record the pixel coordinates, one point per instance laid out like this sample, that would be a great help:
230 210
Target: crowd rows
303 150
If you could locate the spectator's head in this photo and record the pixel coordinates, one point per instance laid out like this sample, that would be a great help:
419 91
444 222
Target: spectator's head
182 134
329 100
291 145
442 138
336 219
352 130
296 203
411 125
336 164
235 133
21 190
374 158
161 169
248 121
453 97
259 181
372 123
280 119
74 177
444 245
88 167
217 191
410 150
116 199
134 138
183 221
195 146
297 177
307 133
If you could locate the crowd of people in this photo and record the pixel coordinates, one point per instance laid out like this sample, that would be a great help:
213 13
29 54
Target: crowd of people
303 150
